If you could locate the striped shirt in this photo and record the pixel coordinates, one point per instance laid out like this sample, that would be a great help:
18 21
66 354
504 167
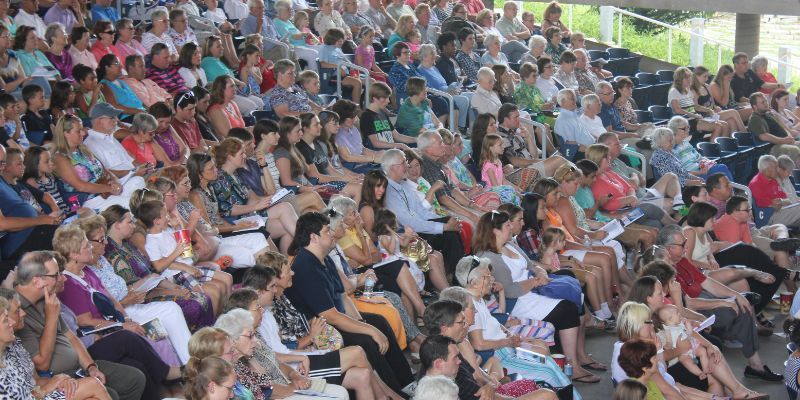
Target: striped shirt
168 78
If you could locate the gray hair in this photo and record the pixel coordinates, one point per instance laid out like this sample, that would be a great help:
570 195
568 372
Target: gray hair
661 135
32 265
143 122
490 39
342 204
464 269
335 220
157 14
391 157
538 41
254 3
666 236
581 51
786 163
602 85
235 322
589 100
563 93
425 139
765 161
282 66
459 295
677 122
426 50
759 62
283 4
51 30
485 72
437 387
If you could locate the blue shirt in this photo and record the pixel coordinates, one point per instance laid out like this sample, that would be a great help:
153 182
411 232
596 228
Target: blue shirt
610 117
315 290
571 129
12 205
409 209
434 78
398 76
124 94
331 54
104 13
249 25
287 28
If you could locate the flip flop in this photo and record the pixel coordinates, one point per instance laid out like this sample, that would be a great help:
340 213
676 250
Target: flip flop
587 379
594 366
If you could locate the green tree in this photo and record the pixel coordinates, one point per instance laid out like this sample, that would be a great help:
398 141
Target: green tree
671 17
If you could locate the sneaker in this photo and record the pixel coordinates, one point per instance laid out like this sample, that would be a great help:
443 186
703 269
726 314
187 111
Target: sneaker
789 245
733 344
766 374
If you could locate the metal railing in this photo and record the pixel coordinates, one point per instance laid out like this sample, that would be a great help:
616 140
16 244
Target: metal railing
355 67
642 160
451 116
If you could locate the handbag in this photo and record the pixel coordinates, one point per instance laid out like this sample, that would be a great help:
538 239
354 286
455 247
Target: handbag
328 339
562 287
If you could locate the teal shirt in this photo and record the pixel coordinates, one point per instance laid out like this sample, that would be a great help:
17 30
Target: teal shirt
411 118
585 199
393 39
286 28
214 67
30 61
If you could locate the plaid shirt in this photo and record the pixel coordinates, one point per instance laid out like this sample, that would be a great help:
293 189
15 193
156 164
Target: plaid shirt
433 171
514 145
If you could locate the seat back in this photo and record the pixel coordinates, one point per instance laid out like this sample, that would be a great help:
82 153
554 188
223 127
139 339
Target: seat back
761 215
647 78
660 113
709 149
665 75
598 54
641 95
727 144
643 116
259 115
618 52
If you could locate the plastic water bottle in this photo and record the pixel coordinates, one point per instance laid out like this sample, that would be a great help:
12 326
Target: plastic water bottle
369 284
568 369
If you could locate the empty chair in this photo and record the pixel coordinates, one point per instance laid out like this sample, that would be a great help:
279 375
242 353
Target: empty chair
618 52
660 113
643 116
641 95
665 75
647 78
598 54
624 66
709 150
259 115
741 156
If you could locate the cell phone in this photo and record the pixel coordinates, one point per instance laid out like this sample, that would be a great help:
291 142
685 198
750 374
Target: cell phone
81 373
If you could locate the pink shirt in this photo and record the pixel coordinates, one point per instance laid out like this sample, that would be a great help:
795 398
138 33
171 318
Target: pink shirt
367 54
490 169
84 57
728 229
147 91
613 184
130 48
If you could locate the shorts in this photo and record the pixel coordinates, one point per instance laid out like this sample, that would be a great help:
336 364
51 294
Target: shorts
326 366
576 254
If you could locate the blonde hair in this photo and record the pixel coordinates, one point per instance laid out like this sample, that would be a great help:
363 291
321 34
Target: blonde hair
92 224
208 342
631 319
68 240
200 372
141 196
596 153
677 79
401 24
64 125
272 259
298 16
550 236
486 148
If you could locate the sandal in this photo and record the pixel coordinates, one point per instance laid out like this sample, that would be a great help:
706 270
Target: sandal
595 366
224 262
763 321
588 378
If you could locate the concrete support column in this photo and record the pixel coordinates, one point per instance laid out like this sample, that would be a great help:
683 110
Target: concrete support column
696 45
606 24
748 31
785 55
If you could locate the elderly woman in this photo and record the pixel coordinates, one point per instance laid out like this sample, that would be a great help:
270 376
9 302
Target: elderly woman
18 372
328 18
222 112
288 99
174 148
537 44
116 91
158 33
590 117
468 60
689 158
546 83
139 144
105 34
402 69
435 80
180 32
682 99
485 99
57 52
82 174
514 49
554 47
125 42
759 65
663 161
527 95
511 269
588 76
460 176
27 53
214 67
722 93
286 30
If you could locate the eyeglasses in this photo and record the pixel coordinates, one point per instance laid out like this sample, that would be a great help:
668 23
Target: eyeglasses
108 32
463 322
187 95
681 245
746 210
54 276
250 336
102 240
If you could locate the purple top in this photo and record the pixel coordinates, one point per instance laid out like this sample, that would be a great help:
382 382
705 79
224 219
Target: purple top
167 142
78 298
367 54
351 139
62 62
65 16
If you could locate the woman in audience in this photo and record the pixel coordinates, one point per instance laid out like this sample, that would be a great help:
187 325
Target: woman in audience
58 54
493 54
214 342
12 73
552 18
180 32
135 269
139 143
208 379
27 53
18 375
316 149
779 103
458 173
424 189
105 34
202 97
759 65
512 50
189 61
223 113
682 100
402 69
6 20
62 100
214 67
158 34
79 50
546 83
626 105
349 144
293 169
116 91
503 83
485 124
527 95
510 268
328 18
126 44
703 93
165 136
235 200
468 60
82 174
405 24
287 98
722 93
638 358
555 48
537 43
663 161
347 183
427 69
689 158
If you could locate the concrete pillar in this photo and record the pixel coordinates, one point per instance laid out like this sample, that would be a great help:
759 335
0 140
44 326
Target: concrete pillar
785 55
748 30
696 45
606 24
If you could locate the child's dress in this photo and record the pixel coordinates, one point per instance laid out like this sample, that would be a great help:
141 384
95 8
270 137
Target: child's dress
367 54
507 193
672 334
419 276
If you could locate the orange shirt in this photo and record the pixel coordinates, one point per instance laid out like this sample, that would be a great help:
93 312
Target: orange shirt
556 222
728 229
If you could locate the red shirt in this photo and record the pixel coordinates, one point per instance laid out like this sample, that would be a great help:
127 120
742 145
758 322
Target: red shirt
613 184
728 229
765 190
189 132
690 278
473 6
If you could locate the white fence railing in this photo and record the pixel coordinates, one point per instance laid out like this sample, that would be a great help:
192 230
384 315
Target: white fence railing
451 116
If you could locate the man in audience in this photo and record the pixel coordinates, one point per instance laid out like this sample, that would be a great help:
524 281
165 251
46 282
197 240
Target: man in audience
28 15
511 27
428 31
568 124
103 11
163 72
432 150
53 347
257 22
317 293
520 148
64 12
769 129
145 89
439 356
237 9
610 116
745 81
380 17
442 233
25 229
101 141
767 193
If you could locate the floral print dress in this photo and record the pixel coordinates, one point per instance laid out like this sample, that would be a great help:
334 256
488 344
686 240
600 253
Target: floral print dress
230 192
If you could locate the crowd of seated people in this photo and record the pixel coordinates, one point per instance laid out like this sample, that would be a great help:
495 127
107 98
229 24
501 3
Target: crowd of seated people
185 215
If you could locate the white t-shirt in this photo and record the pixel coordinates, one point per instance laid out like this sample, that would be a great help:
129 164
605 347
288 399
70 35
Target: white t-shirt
217 16
160 245
109 151
686 101
190 79
619 375
593 125
271 333
33 20
548 88
484 321
236 9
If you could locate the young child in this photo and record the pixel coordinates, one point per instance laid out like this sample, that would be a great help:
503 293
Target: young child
390 242
414 41
672 329
168 257
330 55
12 175
89 90
250 73
37 122
365 54
415 115
301 23
492 173
309 81
13 134
39 174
